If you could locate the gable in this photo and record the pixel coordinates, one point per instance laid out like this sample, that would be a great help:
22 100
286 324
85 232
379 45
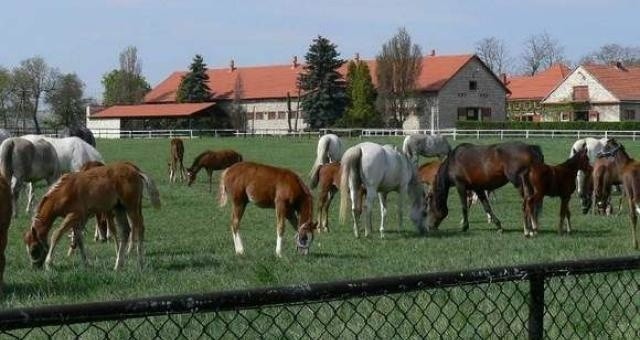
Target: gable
579 78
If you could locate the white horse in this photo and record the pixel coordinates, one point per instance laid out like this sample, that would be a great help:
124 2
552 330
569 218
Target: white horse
594 147
425 145
329 150
23 161
380 170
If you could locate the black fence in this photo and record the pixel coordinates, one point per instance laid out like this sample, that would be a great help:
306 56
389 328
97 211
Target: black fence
583 299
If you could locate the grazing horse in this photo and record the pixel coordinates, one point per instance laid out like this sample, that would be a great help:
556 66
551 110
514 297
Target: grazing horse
5 221
553 181
604 176
379 170
329 150
22 161
77 196
81 132
269 187
212 160
583 179
628 171
175 160
480 168
425 145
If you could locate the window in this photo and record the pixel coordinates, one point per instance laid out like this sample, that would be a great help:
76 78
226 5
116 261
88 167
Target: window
581 93
282 115
582 116
259 115
272 115
565 116
629 115
473 85
249 115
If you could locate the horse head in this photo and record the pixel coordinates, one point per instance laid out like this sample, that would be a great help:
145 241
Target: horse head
436 201
610 148
582 160
418 207
36 247
304 237
191 176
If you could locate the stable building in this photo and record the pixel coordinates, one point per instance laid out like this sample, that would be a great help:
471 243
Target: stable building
524 102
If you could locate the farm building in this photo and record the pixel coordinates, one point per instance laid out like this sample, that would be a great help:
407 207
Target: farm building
454 87
527 92
596 93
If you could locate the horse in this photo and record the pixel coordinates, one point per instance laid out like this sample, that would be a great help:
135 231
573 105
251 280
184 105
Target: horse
269 187
604 176
585 191
5 221
23 161
81 132
77 196
425 145
379 170
212 160
329 150
175 160
628 171
553 181
480 168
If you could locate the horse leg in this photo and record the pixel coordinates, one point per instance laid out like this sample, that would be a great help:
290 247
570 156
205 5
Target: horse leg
281 213
634 209
16 188
210 173
368 212
382 197
182 171
401 195
236 216
136 220
330 196
484 200
4 235
462 192
79 235
323 197
123 231
68 223
567 214
30 198
356 208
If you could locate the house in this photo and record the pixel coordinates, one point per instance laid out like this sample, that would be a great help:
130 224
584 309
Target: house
527 92
596 93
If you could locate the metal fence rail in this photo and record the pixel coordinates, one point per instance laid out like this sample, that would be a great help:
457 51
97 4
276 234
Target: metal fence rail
578 299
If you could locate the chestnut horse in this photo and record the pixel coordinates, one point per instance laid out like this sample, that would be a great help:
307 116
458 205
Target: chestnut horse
5 221
175 160
269 187
480 168
329 150
76 196
212 160
553 181
628 171
604 175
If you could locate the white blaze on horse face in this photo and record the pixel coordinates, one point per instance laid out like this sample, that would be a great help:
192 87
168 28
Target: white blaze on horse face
237 243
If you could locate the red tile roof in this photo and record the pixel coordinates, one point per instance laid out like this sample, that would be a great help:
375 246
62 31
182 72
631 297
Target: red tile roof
269 82
153 110
622 82
538 86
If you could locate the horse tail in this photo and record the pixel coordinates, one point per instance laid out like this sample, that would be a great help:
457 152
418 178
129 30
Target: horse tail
222 190
323 148
6 159
350 167
315 176
536 151
152 190
405 147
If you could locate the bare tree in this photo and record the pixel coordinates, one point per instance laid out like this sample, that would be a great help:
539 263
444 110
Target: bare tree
398 66
613 53
129 61
493 52
5 94
540 52
31 80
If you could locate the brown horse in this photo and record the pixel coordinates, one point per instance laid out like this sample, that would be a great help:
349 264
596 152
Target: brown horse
605 175
77 196
212 160
480 168
628 171
175 160
553 181
269 187
5 221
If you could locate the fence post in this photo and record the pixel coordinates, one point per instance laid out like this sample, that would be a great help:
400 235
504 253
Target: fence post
477 134
536 306
454 133
606 134
501 134
526 134
552 133
634 135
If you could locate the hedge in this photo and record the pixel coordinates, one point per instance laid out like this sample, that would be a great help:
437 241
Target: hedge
521 125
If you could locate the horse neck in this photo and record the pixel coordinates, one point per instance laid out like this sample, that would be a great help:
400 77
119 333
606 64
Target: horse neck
44 217
621 158
572 164
306 209
441 187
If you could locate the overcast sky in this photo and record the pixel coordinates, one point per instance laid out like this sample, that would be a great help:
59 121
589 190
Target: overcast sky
85 36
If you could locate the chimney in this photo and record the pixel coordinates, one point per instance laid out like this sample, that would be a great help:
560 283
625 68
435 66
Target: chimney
232 66
294 61
357 57
433 53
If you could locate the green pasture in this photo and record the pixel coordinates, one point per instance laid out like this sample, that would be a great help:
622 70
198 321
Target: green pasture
189 248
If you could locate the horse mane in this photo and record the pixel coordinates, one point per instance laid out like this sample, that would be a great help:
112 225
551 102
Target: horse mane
442 182
52 190
536 150
199 157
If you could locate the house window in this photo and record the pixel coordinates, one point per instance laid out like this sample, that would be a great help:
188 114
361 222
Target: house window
282 115
473 85
581 93
259 115
565 116
629 115
582 116
249 115
272 115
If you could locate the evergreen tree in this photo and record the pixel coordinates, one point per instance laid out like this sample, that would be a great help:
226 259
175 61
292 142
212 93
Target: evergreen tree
194 86
324 96
361 111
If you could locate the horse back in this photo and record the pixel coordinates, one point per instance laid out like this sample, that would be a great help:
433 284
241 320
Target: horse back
222 159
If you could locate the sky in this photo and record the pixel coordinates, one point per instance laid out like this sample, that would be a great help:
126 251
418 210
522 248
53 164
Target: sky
86 36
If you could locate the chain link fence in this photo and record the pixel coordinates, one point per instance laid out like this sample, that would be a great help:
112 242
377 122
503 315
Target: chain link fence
569 300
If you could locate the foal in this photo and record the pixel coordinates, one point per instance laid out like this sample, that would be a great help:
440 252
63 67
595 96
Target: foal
553 181
212 160
604 176
5 221
269 187
175 160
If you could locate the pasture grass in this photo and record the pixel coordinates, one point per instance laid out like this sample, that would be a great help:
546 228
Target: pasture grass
189 248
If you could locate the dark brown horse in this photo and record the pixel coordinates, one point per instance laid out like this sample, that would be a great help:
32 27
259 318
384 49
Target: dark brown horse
628 171
176 154
553 181
212 160
604 175
269 187
480 168
5 220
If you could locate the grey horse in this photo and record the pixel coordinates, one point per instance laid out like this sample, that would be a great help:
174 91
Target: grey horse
81 132
22 161
425 145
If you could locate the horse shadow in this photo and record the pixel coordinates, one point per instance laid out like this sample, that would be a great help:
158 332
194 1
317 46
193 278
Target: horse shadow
322 255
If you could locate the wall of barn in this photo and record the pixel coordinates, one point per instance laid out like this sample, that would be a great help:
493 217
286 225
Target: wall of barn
104 128
268 114
580 77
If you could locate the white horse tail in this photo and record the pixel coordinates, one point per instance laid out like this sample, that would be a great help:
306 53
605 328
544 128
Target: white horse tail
6 158
222 190
406 148
321 155
350 167
152 190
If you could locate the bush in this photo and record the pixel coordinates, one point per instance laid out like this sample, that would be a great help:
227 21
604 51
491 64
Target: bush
520 125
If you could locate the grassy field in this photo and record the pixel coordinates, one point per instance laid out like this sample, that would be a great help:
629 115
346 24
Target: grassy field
189 246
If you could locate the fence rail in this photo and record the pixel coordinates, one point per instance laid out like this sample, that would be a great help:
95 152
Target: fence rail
592 298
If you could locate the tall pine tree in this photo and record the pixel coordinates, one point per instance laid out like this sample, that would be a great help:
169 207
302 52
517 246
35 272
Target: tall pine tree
324 96
193 87
361 110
